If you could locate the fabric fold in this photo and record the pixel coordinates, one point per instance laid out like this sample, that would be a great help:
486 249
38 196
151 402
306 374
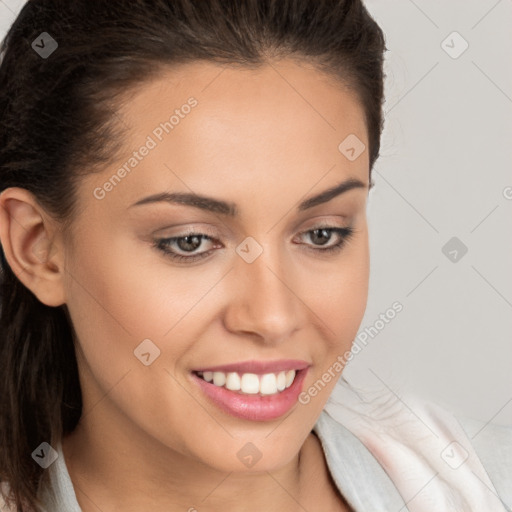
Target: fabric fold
421 446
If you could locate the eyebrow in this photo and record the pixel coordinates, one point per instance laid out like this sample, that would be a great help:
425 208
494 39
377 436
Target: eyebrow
230 209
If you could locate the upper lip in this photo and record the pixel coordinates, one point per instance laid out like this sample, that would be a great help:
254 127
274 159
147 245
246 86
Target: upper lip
259 367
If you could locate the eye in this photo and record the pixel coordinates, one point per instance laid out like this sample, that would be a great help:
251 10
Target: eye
190 242
187 243
321 235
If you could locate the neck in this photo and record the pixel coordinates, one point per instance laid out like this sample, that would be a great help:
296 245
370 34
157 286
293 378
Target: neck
148 475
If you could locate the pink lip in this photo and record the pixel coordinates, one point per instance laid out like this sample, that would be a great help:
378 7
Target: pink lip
258 367
253 407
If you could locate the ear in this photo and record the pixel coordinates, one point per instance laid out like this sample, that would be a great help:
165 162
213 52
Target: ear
29 238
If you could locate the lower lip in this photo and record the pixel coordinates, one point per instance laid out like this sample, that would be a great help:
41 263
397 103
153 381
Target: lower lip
253 407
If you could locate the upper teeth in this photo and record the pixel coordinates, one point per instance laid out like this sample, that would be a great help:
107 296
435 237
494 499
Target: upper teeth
266 384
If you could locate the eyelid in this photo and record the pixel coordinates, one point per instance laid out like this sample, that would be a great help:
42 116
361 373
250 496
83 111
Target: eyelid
185 230
310 223
319 219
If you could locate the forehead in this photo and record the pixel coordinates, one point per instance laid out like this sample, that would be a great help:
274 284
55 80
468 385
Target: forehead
269 98
214 128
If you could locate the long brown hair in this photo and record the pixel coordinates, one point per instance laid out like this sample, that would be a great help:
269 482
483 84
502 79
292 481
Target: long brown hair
58 121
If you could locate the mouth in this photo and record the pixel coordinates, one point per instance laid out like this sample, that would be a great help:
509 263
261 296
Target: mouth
254 391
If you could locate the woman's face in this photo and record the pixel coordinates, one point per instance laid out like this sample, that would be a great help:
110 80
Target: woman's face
256 287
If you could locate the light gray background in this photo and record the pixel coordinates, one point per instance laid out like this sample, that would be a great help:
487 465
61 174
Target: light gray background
444 169
445 162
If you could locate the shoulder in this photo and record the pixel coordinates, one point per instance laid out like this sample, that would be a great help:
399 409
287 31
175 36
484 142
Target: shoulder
359 476
493 445
413 438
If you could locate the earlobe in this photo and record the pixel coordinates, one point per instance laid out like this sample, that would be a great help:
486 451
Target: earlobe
27 235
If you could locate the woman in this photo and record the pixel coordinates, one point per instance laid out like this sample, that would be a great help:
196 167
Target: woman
184 234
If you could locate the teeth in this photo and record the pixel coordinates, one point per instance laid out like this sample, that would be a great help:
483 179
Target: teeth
268 384
232 381
219 378
250 383
281 381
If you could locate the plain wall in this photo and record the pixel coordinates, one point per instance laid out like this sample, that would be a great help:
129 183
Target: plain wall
445 171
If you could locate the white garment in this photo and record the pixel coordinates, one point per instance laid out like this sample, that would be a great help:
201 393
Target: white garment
422 450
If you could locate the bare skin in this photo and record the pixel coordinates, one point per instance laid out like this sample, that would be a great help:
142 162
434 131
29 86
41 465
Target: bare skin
265 139
316 488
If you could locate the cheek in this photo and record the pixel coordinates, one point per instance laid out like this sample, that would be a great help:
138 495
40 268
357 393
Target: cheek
339 298
124 293
346 305
113 307
118 298
338 294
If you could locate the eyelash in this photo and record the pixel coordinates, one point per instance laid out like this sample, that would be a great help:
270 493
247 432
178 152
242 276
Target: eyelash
162 244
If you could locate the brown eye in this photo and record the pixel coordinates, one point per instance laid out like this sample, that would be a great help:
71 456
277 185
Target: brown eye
321 236
187 243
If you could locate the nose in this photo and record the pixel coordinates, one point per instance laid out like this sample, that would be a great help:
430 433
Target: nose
262 299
